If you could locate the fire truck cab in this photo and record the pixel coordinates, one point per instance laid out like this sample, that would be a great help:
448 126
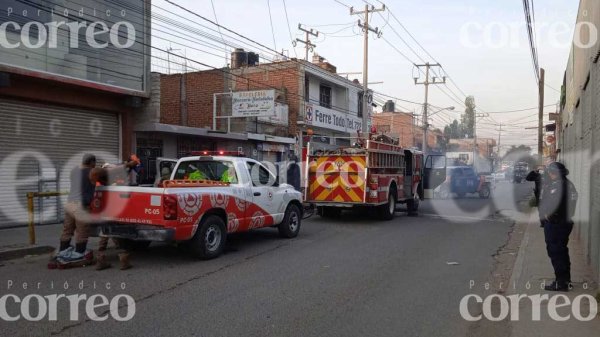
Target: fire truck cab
371 174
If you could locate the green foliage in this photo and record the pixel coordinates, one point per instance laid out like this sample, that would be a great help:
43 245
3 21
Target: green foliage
468 118
466 127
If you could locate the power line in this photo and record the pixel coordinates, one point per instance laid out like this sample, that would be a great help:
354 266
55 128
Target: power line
271 20
289 26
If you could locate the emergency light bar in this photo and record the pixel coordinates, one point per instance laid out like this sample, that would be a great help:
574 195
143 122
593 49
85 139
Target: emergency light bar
218 153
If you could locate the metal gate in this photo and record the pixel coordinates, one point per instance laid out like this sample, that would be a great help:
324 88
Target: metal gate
39 146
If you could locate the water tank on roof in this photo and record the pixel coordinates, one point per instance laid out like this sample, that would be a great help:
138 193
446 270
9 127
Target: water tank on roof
253 59
239 58
389 106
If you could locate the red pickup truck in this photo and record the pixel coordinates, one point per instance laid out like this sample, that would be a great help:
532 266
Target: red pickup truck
206 198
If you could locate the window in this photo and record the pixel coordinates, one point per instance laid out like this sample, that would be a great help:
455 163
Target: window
361 97
325 96
259 175
306 89
223 171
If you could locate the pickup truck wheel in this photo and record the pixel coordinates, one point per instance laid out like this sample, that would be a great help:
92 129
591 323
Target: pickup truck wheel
387 211
290 226
209 240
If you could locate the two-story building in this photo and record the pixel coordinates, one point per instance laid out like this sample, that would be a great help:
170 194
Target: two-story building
264 111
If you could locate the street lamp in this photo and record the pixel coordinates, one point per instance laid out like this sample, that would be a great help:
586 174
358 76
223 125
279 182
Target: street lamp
426 126
450 108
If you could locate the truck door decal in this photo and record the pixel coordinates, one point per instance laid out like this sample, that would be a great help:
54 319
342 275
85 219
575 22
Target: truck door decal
219 200
190 203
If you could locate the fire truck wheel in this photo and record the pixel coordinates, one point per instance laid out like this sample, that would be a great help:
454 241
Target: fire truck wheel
387 211
290 226
209 240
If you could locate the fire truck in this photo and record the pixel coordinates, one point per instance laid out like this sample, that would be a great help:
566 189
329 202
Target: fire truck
376 174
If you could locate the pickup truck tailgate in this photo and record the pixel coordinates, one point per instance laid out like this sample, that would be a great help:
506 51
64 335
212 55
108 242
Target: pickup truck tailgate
124 204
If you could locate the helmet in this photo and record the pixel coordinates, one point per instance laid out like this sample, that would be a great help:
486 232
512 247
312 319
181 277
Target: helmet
558 168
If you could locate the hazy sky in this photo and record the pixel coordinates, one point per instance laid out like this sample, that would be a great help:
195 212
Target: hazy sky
482 45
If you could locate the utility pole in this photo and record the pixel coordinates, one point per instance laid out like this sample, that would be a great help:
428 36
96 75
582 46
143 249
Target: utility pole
366 29
541 118
308 45
475 147
499 137
169 51
428 81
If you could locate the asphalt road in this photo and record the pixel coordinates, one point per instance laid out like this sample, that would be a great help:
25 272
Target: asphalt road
351 276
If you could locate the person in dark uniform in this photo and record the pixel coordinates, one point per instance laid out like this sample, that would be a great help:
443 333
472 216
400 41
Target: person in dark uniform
557 204
293 172
538 177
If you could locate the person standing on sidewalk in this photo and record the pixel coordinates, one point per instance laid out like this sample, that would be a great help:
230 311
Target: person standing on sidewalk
557 204
77 207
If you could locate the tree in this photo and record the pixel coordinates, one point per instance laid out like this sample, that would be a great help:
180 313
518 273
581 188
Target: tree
466 127
468 118
452 131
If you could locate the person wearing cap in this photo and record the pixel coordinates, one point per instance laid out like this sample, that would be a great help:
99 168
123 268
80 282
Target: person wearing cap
558 199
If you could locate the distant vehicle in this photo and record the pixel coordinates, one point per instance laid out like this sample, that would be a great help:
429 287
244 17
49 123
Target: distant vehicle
463 180
520 172
500 176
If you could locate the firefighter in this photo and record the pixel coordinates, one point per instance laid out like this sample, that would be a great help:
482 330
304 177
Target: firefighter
100 177
76 221
557 204
293 172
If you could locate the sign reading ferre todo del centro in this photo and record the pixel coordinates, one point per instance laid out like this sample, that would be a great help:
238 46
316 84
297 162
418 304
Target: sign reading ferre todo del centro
96 43
330 119
259 103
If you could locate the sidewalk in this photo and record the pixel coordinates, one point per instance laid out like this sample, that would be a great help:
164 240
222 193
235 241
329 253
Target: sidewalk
533 267
14 242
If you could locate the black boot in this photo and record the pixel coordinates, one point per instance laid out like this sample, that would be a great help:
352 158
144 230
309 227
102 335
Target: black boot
64 245
557 286
81 247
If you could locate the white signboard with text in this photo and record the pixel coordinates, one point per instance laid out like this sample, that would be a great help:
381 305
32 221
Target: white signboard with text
253 103
280 117
330 119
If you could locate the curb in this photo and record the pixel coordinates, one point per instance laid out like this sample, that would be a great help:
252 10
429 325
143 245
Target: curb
20 251
518 266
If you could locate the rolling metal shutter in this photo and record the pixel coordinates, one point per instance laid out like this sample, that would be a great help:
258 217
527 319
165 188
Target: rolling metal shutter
30 132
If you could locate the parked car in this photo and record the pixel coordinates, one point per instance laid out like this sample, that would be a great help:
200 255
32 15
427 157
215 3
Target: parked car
463 180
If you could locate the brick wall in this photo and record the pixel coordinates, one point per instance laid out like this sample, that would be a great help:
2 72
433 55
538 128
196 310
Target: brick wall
284 76
400 126
197 98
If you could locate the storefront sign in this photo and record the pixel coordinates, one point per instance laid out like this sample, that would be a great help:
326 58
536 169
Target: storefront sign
253 103
319 116
279 118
